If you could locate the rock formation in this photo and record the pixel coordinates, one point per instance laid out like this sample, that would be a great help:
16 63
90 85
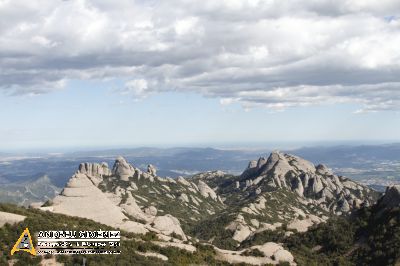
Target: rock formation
287 171
168 225
122 169
206 191
82 198
391 197
118 207
281 192
94 169
151 170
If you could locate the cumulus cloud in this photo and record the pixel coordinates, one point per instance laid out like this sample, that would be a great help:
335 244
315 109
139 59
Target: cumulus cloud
259 53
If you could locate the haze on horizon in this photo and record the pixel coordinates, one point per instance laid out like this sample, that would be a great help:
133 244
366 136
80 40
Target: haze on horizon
84 73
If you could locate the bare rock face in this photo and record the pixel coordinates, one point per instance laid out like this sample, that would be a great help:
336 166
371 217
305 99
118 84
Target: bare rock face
206 191
151 170
252 164
94 169
183 181
131 208
241 230
184 197
10 218
273 254
122 169
323 170
168 225
82 198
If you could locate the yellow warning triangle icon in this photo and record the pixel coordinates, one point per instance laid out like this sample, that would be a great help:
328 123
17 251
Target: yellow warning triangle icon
24 243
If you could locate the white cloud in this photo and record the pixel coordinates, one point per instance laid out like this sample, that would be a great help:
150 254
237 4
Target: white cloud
274 54
137 86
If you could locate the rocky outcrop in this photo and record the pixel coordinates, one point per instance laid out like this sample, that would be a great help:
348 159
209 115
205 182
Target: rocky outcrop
183 197
210 175
151 210
82 198
168 225
115 204
151 170
206 191
273 254
133 210
391 197
241 230
318 184
122 169
94 169
302 225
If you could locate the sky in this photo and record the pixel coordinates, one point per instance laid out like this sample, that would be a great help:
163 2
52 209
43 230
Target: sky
84 74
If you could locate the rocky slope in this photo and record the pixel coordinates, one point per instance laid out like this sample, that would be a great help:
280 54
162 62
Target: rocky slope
133 200
372 236
282 193
317 184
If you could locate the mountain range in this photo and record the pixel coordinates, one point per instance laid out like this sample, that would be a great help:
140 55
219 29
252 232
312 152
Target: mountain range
254 218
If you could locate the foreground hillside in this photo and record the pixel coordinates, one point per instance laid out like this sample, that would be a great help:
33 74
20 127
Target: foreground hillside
133 247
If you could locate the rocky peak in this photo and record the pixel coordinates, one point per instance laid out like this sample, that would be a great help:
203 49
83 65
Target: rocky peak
286 171
252 164
122 169
262 166
94 169
261 161
391 197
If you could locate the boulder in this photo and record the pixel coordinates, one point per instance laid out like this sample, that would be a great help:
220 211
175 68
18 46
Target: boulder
168 224
206 191
183 197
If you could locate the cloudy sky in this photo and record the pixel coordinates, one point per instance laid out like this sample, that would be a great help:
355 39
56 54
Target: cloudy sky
79 73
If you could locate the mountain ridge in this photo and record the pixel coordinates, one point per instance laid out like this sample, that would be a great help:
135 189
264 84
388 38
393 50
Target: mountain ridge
299 195
254 218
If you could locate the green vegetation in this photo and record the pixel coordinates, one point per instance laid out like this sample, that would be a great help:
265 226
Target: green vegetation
39 220
253 252
370 237
213 230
